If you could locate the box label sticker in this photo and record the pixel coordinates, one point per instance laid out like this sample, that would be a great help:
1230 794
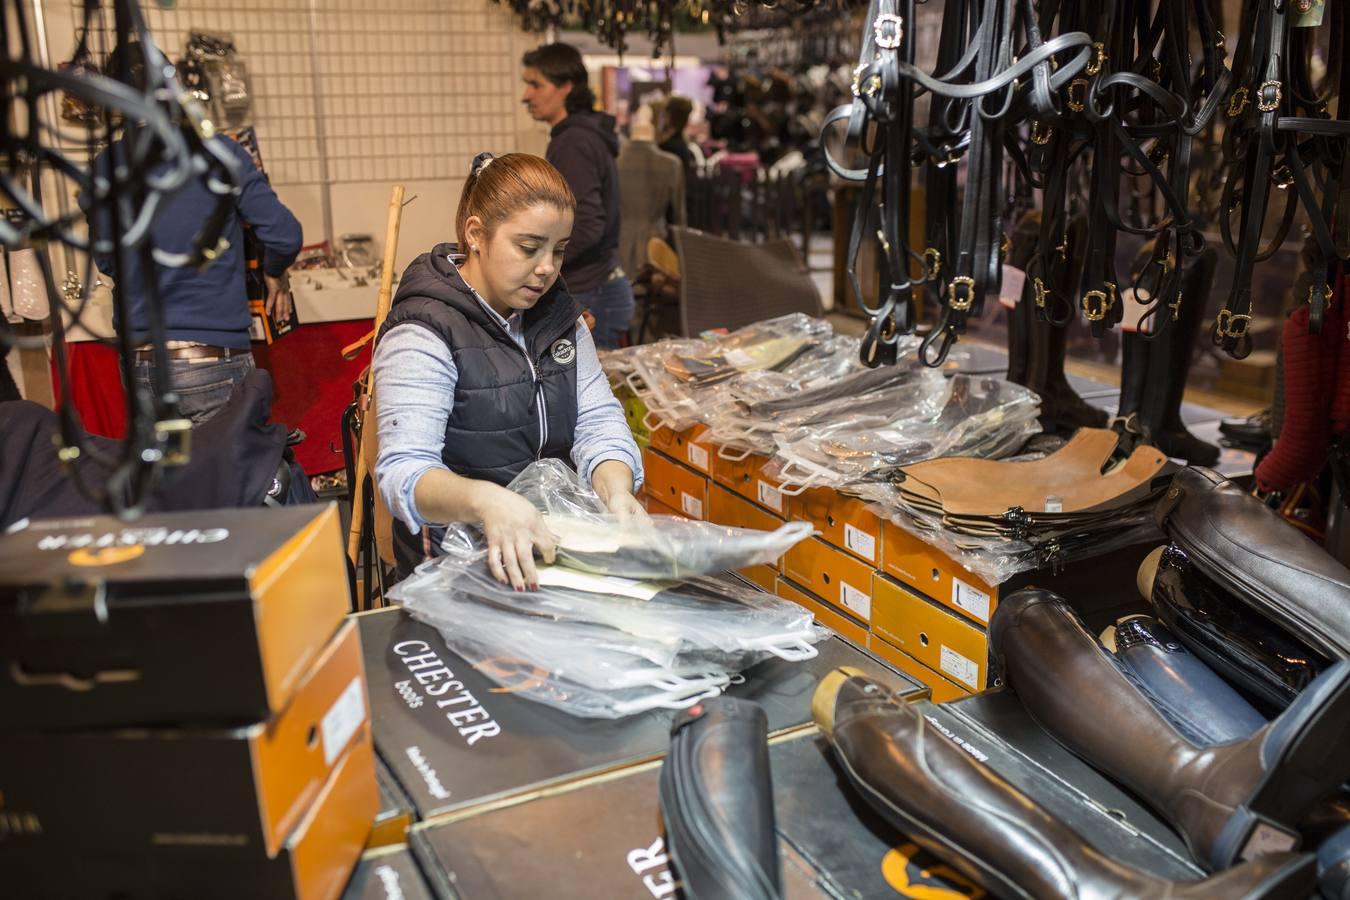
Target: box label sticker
858 601
960 668
698 457
692 506
342 720
770 496
860 542
971 599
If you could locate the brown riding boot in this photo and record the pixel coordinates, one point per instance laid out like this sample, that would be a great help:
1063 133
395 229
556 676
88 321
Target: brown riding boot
967 814
1229 801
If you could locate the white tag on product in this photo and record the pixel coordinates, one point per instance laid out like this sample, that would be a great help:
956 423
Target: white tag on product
739 358
858 601
1267 839
770 496
560 576
971 599
959 667
692 506
1010 293
698 457
342 720
1132 313
860 542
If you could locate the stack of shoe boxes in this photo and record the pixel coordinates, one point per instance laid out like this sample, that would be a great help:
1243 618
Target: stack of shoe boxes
186 708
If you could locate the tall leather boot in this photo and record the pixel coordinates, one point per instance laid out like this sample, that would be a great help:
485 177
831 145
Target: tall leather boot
1062 410
965 813
1170 362
1229 801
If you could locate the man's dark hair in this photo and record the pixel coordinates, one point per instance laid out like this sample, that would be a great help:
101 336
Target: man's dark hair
560 64
677 113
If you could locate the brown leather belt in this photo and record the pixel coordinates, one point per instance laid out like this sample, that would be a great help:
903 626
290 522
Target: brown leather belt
201 354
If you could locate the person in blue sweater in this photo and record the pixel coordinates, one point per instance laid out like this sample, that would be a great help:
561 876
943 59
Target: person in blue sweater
206 311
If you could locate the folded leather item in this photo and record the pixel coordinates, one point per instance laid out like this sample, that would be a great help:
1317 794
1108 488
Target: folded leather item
1236 640
1073 479
1229 802
1259 560
964 812
717 801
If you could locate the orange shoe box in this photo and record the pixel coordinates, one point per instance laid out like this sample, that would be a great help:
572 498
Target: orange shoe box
843 521
838 578
825 614
685 446
746 477
934 574
941 690
932 634
677 486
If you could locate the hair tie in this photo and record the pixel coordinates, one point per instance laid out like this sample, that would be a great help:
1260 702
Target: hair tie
480 162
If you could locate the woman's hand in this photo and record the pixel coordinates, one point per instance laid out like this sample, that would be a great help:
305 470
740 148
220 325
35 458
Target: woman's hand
613 483
625 506
514 528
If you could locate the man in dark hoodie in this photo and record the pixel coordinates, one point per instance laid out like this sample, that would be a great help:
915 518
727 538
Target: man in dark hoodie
583 147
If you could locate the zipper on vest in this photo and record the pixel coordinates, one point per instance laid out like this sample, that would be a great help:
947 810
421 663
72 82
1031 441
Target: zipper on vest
538 387
543 406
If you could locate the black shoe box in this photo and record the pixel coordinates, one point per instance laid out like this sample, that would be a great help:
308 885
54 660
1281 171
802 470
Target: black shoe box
389 873
211 616
598 838
486 744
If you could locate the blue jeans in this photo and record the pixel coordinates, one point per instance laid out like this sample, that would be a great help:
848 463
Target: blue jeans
202 387
612 305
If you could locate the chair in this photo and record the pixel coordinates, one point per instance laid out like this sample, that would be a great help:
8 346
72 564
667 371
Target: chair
730 284
657 286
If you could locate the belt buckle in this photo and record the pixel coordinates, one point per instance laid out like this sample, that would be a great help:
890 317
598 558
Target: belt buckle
932 259
961 304
1098 58
1041 293
1078 104
1266 102
1095 312
1237 103
1231 324
884 40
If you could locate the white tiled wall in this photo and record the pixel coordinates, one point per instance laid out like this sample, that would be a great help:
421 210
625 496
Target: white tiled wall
411 90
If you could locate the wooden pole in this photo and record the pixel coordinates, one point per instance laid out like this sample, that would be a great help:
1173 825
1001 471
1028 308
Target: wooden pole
366 456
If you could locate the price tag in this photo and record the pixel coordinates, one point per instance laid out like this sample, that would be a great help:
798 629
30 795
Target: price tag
698 457
972 600
342 719
860 542
959 667
1132 313
1010 292
692 506
770 496
858 601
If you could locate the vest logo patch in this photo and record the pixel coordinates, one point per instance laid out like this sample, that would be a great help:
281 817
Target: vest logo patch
563 352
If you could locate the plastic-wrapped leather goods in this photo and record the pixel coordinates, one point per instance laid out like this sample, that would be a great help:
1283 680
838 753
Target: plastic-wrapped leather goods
717 800
661 547
965 415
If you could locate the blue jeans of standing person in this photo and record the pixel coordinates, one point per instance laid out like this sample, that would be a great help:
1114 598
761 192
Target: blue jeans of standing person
612 305
202 387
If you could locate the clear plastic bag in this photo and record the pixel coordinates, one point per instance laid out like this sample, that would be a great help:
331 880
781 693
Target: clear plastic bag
599 655
656 547
966 416
700 616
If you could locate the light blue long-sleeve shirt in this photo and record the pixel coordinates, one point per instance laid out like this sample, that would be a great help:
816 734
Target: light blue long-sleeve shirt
415 378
